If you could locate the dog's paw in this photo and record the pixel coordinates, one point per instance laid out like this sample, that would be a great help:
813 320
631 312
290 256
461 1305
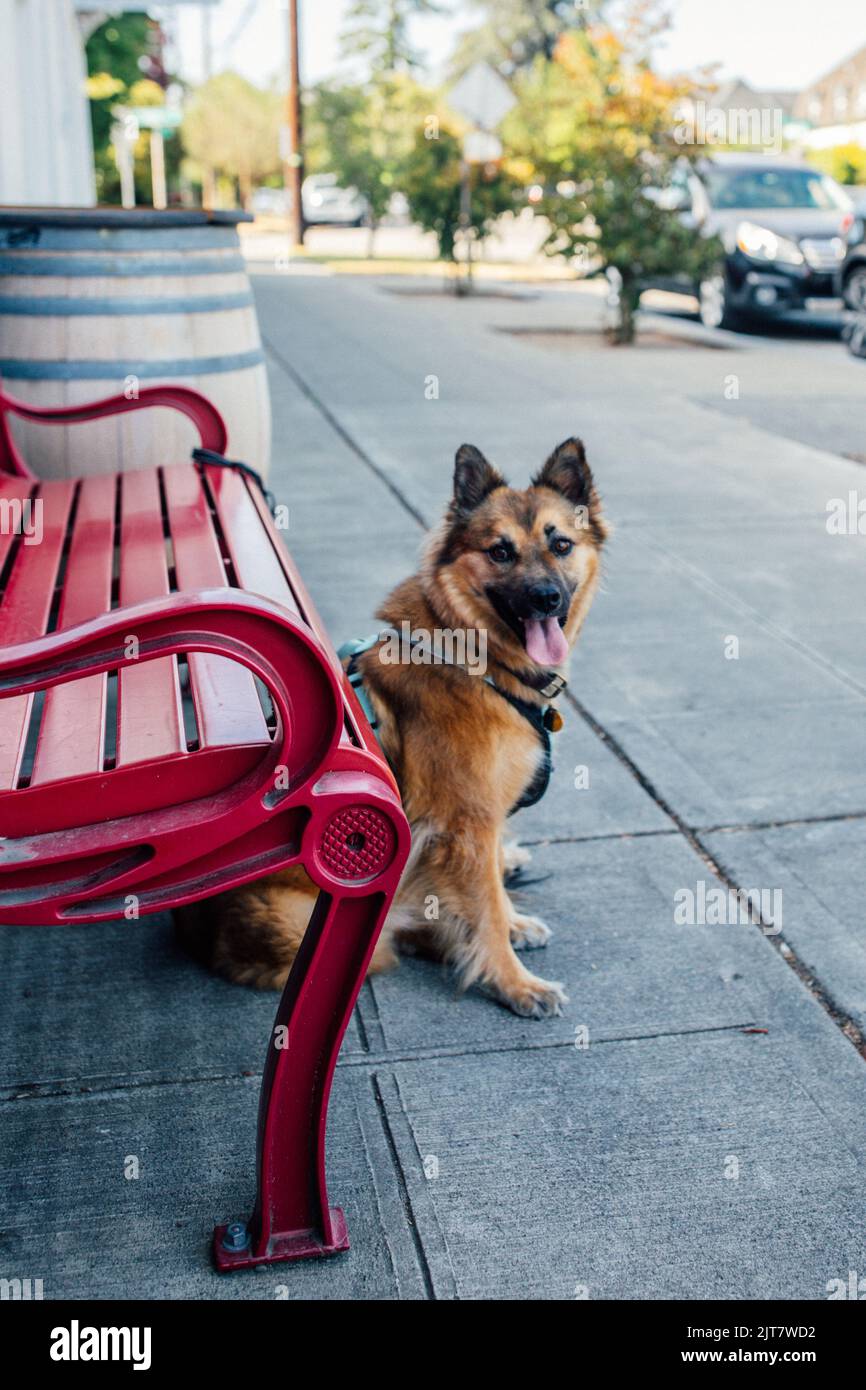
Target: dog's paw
514 857
529 933
532 997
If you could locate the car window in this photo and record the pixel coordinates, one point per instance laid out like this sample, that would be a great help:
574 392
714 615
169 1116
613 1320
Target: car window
773 188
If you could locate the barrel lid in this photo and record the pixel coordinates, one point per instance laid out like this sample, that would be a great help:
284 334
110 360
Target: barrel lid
121 217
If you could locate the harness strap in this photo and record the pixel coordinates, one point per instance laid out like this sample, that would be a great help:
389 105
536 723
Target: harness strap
350 651
544 719
537 717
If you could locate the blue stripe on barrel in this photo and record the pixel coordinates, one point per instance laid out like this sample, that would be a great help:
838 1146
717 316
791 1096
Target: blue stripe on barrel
105 239
59 307
21 264
113 370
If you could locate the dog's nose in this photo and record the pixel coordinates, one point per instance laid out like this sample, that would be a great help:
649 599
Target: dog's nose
544 598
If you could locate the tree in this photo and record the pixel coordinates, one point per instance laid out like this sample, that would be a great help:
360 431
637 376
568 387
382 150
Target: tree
432 184
598 129
233 127
117 53
363 134
513 33
379 30
844 163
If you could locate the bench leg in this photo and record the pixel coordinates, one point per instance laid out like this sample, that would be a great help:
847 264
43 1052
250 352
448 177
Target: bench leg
292 1219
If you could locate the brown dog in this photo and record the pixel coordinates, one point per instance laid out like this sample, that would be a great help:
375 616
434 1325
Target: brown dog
516 570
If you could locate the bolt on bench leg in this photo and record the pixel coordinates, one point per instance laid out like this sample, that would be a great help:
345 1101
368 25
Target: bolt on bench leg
292 1219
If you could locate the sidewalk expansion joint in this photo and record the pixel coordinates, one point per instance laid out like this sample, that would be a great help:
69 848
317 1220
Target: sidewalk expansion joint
403 1187
843 1021
340 429
65 1090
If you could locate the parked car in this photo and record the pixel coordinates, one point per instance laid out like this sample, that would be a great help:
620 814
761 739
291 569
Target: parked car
270 202
783 225
325 202
852 272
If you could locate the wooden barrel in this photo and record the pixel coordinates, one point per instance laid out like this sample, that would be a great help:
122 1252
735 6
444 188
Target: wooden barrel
101 301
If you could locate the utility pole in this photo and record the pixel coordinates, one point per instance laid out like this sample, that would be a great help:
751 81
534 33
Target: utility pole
293 175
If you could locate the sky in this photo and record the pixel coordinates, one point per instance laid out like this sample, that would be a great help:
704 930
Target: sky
771 43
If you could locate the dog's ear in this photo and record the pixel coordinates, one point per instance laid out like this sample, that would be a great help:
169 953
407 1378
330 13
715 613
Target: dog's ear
568 472
474 478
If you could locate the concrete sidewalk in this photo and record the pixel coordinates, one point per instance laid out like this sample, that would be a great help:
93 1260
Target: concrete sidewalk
708 1143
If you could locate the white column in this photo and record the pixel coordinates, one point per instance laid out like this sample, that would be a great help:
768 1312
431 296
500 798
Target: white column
46 152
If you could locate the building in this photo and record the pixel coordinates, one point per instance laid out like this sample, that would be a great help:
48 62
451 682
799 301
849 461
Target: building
833 109
46 154
740 96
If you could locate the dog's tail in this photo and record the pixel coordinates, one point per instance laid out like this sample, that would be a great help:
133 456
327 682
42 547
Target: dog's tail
251 935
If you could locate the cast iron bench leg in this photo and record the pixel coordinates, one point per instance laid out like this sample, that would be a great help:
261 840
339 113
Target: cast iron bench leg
292 1219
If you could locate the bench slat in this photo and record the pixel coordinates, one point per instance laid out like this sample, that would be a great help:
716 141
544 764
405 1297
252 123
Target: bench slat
150 719
24 614
72 732
255 561
227 706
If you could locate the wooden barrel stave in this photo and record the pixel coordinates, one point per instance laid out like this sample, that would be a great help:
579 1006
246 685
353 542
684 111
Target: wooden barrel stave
69 334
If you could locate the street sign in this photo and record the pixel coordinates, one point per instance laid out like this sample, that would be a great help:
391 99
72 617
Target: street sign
481 148
166 118
482 96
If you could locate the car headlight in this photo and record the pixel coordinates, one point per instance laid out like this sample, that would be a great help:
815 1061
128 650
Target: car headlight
763 245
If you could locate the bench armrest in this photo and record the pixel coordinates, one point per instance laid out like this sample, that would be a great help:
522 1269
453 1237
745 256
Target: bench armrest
273 643
205 416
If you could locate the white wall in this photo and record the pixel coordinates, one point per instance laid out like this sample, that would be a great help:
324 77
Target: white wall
46 154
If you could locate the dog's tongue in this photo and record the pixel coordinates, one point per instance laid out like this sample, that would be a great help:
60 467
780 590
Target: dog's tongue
545 641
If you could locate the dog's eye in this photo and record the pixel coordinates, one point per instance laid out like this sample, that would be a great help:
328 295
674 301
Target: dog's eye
561 545
500 554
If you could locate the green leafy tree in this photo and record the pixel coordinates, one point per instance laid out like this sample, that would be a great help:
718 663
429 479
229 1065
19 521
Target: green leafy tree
599 130
116 52
363 134
844 163
379 29
513 33
233 127
432 181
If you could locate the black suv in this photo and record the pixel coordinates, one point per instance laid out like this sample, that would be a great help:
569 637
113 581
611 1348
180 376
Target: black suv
852 272
783 225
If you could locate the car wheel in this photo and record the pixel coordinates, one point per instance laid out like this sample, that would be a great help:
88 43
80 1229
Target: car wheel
714 308
854 289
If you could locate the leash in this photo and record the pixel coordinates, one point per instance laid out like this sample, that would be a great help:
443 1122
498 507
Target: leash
545 720
215 460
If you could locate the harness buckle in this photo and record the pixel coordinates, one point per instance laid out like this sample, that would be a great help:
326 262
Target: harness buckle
554 687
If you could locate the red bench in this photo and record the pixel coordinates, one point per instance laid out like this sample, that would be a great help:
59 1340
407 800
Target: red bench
196 731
